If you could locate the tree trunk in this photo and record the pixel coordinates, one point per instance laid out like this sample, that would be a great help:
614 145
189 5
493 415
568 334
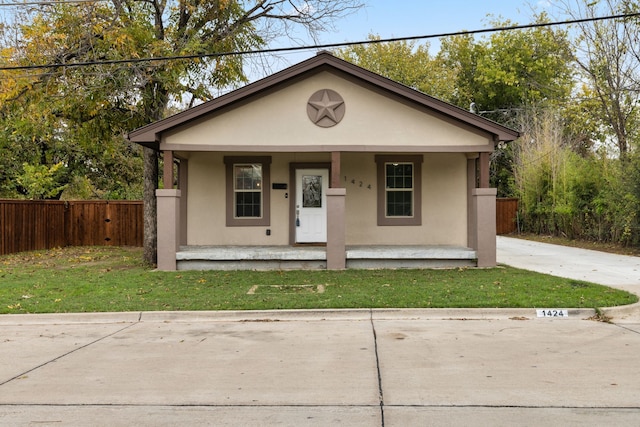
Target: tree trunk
150 165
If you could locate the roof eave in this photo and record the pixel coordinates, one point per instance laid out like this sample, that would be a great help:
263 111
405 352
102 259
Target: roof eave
150 134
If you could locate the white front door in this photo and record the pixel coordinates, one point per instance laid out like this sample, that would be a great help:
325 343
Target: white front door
311 205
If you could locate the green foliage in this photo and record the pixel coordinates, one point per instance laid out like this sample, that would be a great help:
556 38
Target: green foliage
562 193
569 92
40 181
499 75
402 62
509 70
83 102
607 52
80 115
617 202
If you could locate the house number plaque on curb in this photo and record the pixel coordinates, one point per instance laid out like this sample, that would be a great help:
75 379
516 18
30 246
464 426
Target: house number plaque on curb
551 312
326 108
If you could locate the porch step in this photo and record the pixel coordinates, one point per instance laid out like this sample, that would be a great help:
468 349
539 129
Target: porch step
410 257
251 258
314 257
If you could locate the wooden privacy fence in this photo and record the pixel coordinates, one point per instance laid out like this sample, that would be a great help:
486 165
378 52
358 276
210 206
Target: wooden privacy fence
27 225
506 215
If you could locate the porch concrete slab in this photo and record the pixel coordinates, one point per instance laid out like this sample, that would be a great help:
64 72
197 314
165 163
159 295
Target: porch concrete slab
229 258
409 252
536 363
249 363
252 253
372 257
302 257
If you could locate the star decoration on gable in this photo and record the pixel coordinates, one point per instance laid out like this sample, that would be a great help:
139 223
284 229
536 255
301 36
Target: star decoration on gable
325 108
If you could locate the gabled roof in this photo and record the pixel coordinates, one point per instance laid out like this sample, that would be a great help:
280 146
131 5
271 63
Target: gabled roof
149 135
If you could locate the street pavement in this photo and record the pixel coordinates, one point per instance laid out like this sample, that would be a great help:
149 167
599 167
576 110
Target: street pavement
437 367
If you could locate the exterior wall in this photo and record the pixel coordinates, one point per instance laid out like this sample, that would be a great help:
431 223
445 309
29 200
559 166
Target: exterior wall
444 202
206 221
280 119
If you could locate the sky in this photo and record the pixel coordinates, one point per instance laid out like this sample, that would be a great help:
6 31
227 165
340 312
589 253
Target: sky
404 18
393 18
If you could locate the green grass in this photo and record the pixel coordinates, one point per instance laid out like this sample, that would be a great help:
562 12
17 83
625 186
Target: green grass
99 279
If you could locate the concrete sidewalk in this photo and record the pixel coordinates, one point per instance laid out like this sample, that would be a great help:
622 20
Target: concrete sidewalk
448 367
318 368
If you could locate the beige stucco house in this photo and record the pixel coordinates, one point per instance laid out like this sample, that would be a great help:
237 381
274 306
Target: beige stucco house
325 165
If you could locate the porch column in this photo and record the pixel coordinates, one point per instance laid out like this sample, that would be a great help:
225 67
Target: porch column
167 169
336 233
484 207
335 169
168 228
471 184
483 169
336 236
183 175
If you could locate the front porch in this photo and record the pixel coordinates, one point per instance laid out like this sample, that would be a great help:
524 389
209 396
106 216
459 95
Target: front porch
315 257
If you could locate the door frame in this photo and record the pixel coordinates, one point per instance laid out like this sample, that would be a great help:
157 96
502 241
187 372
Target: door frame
292 195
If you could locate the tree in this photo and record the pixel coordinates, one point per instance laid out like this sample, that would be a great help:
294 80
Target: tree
40 182
608 54
498 77
508 75
403 62
499 74
90 105
510 69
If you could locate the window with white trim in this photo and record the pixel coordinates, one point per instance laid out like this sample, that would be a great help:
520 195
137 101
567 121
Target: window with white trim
247 190
399 189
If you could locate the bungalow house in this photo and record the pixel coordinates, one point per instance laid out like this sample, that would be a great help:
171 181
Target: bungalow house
325 165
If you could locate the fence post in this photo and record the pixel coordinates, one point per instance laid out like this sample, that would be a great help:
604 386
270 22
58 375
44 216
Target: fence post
108 224
66 224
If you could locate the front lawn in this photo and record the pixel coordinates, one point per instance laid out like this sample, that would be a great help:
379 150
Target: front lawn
100 279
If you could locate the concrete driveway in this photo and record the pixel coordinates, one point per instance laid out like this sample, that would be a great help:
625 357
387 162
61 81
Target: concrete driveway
320 368
618 271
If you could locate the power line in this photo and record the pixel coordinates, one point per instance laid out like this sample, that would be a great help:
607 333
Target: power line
48 3
314 47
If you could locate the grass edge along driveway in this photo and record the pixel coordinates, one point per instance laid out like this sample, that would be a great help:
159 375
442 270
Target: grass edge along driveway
107 279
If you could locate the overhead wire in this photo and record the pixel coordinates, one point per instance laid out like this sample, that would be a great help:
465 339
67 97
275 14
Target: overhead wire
48 3
314 47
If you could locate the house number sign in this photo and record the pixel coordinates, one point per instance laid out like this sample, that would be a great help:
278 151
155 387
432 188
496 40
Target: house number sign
553 312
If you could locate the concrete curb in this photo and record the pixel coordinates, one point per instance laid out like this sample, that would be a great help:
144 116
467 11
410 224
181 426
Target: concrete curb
626 313
353 314
69 318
